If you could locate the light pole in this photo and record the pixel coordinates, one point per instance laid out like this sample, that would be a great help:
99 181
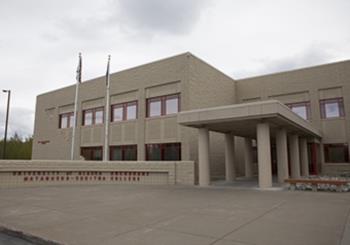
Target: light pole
7 120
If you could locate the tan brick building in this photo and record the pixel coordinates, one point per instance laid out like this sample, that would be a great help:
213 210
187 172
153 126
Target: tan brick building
169 109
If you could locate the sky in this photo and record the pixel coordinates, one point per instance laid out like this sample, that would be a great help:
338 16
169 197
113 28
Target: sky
40 40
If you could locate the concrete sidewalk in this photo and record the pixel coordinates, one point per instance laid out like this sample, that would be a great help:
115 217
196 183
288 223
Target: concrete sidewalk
177 215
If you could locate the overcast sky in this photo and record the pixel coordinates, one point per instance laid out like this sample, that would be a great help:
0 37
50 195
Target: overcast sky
40 40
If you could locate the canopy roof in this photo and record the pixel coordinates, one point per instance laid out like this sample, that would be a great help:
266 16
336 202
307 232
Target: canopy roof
241 119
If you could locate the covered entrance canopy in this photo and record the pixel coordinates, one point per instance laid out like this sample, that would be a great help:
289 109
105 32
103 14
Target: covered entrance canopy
257 120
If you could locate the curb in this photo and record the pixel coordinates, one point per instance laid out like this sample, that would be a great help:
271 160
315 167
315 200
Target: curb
26 236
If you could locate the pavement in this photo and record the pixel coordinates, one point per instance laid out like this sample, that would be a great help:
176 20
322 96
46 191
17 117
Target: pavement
6 239
136 214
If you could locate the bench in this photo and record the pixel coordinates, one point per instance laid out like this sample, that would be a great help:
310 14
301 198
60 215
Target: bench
315 182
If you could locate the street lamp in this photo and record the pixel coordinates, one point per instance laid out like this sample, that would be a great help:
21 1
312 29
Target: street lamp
7 121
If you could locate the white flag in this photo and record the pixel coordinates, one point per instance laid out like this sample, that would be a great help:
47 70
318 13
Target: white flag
79 69
107 72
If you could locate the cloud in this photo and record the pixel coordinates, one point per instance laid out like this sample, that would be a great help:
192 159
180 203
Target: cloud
21 121
171 16
315 55
40 39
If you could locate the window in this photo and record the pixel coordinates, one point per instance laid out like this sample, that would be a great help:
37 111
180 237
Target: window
153 152
123 152
117 114
332 108
66 120
163 105
88 115
302 109
336 153
98 117
171 104
93 116
163 152
155 108
124 111
131 111
92 153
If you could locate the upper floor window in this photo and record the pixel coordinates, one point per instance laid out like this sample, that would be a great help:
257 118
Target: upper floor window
66 120
93 116
332 108
163 105
336 153
124 111
302 109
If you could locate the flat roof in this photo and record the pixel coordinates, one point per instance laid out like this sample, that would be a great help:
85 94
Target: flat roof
241 119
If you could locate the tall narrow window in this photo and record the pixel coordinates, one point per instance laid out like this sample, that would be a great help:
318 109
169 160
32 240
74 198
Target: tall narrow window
154 108
171 104
131 111
88 115
66 120
124 111
93 116
71 120
302 109
163 105
332 108
98 116
117 112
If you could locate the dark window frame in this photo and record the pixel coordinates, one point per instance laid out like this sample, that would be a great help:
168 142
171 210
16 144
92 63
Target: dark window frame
91 149
93 119
345 147
162 100
162 149
67 115
307 104
123 148
341 108
124 106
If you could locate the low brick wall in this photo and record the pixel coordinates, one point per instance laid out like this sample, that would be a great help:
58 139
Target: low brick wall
15 173
336 169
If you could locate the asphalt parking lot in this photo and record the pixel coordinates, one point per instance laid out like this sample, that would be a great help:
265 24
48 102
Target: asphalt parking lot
122 214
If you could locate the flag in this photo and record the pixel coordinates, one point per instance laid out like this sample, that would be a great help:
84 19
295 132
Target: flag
107 72
79 68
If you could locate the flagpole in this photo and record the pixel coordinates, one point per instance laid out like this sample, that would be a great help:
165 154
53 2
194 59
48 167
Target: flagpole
78 78
106 146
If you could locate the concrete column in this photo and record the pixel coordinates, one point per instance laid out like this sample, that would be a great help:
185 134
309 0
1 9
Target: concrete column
304 158
203 157
264 155
229 157
294 156
282 155
248 158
